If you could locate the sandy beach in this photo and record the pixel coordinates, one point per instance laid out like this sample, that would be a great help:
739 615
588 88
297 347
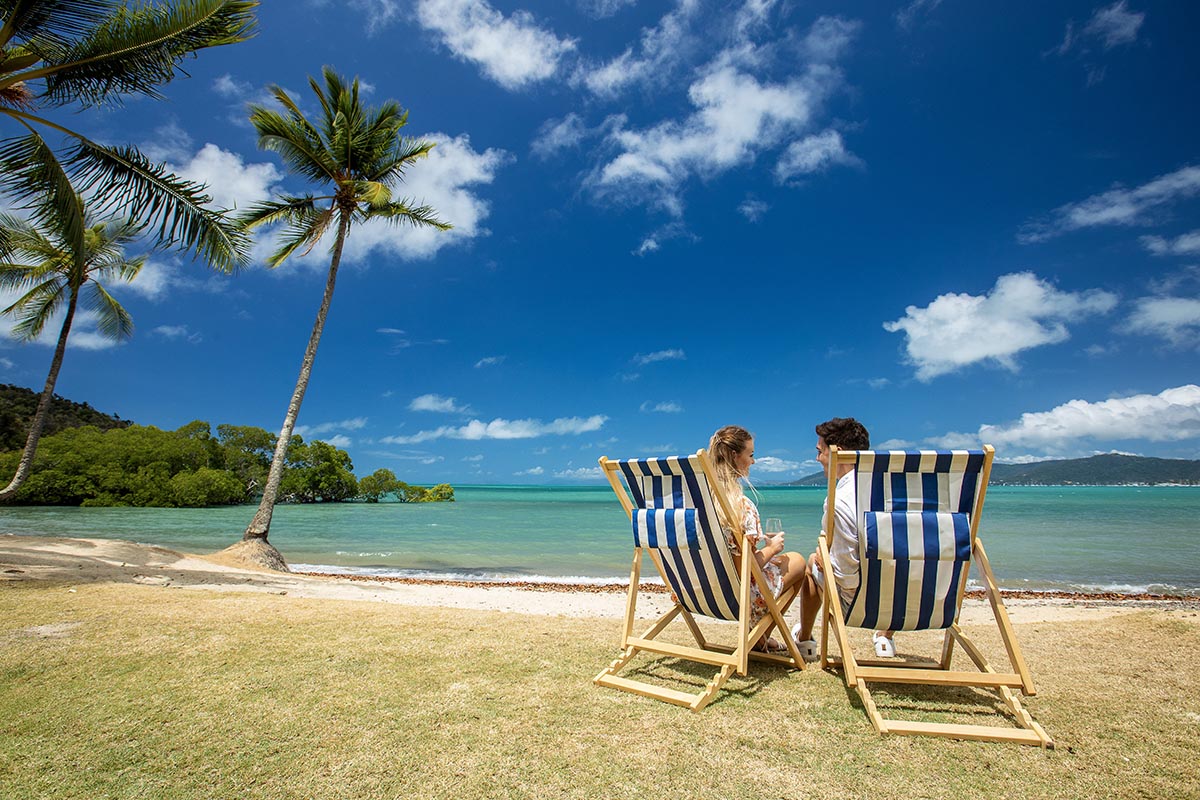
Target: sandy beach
81 561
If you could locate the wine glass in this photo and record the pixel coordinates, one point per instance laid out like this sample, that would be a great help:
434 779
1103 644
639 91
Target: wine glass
773 527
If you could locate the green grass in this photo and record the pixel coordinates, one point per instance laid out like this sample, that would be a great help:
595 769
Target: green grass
131 691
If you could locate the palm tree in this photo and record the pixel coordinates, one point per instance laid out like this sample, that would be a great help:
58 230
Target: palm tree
53 274
359 155
86 53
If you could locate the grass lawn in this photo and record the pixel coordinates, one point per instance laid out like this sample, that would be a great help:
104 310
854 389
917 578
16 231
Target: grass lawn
121 691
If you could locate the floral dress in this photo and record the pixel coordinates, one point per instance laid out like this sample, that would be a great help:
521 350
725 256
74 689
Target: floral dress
771 571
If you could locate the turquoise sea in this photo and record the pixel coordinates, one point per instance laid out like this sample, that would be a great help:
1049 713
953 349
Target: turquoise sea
1079 539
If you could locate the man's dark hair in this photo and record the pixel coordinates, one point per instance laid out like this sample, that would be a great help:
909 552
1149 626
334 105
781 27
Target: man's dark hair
846 433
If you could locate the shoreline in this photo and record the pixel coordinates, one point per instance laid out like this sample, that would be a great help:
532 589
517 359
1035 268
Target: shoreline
617 586
77 562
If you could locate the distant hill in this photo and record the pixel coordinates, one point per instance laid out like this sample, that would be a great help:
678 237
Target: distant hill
1106 470
18 404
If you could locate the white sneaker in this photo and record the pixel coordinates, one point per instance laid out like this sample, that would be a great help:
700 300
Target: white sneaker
808 648
884 648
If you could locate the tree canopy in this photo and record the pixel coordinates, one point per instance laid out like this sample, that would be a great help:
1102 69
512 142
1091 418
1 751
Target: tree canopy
190 467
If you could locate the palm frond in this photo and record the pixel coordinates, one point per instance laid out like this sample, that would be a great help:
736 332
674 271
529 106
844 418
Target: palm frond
403 154
269 212
36 181
59 21
303 232
136 49
35 308
116 266
296 142
126 183
113 321
402 212
372 193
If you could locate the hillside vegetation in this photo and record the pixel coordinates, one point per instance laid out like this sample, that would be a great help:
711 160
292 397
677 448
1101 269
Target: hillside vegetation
18 404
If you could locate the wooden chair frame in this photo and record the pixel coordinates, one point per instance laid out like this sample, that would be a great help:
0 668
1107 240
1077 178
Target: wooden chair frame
727 659
860 672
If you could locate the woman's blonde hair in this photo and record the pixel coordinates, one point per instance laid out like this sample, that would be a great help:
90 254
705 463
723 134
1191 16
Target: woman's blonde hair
723 449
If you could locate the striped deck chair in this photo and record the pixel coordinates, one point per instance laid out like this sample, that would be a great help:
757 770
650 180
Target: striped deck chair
672 507
918 516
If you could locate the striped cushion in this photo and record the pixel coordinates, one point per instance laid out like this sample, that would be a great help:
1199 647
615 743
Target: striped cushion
675 516
912 564
665 527
923 480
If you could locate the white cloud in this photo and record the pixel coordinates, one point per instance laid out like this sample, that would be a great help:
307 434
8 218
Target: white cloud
815 153
230 181
1114 24
1187 244
531 471
177 332
601 9
773 464
154 279
580 473
657 53
829 38
753 209
558 134
440 181
170 142
736 117
513 51
435 402
318 431
906 17
231 88
1021 312
490 361
378 12
648 245
7 363
661 408
475 458
505 429
674 354
1170 415
1176 319
1117 206
895 444
339 441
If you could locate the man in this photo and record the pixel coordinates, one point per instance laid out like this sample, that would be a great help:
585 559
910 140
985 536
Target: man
846 433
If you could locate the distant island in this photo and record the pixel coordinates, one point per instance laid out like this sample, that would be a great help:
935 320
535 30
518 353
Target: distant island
1110 469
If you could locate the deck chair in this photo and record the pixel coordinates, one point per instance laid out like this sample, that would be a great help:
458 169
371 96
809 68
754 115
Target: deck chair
918 521
672 507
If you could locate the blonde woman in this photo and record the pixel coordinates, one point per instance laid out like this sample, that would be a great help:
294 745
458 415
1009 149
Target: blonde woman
732 452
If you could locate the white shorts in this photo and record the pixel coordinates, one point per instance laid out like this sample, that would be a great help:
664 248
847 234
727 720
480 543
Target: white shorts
844 594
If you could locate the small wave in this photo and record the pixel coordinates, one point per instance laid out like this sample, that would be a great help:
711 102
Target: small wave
361 555
1074 587
480 576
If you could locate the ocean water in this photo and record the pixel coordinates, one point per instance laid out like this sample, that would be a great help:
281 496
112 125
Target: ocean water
1080 539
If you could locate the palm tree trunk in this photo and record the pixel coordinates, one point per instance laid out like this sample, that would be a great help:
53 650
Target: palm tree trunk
260 526
43 408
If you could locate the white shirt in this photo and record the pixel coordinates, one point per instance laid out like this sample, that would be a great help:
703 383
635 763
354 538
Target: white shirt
844 552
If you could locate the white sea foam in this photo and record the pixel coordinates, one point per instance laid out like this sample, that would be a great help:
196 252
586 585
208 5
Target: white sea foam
479 576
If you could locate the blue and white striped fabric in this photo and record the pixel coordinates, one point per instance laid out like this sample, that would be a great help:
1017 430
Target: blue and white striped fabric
914 536
675 515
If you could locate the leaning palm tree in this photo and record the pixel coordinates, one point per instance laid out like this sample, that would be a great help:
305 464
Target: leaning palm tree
54 277
86 53
358 155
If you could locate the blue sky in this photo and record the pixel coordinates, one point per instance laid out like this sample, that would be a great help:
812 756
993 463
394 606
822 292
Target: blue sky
957 223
